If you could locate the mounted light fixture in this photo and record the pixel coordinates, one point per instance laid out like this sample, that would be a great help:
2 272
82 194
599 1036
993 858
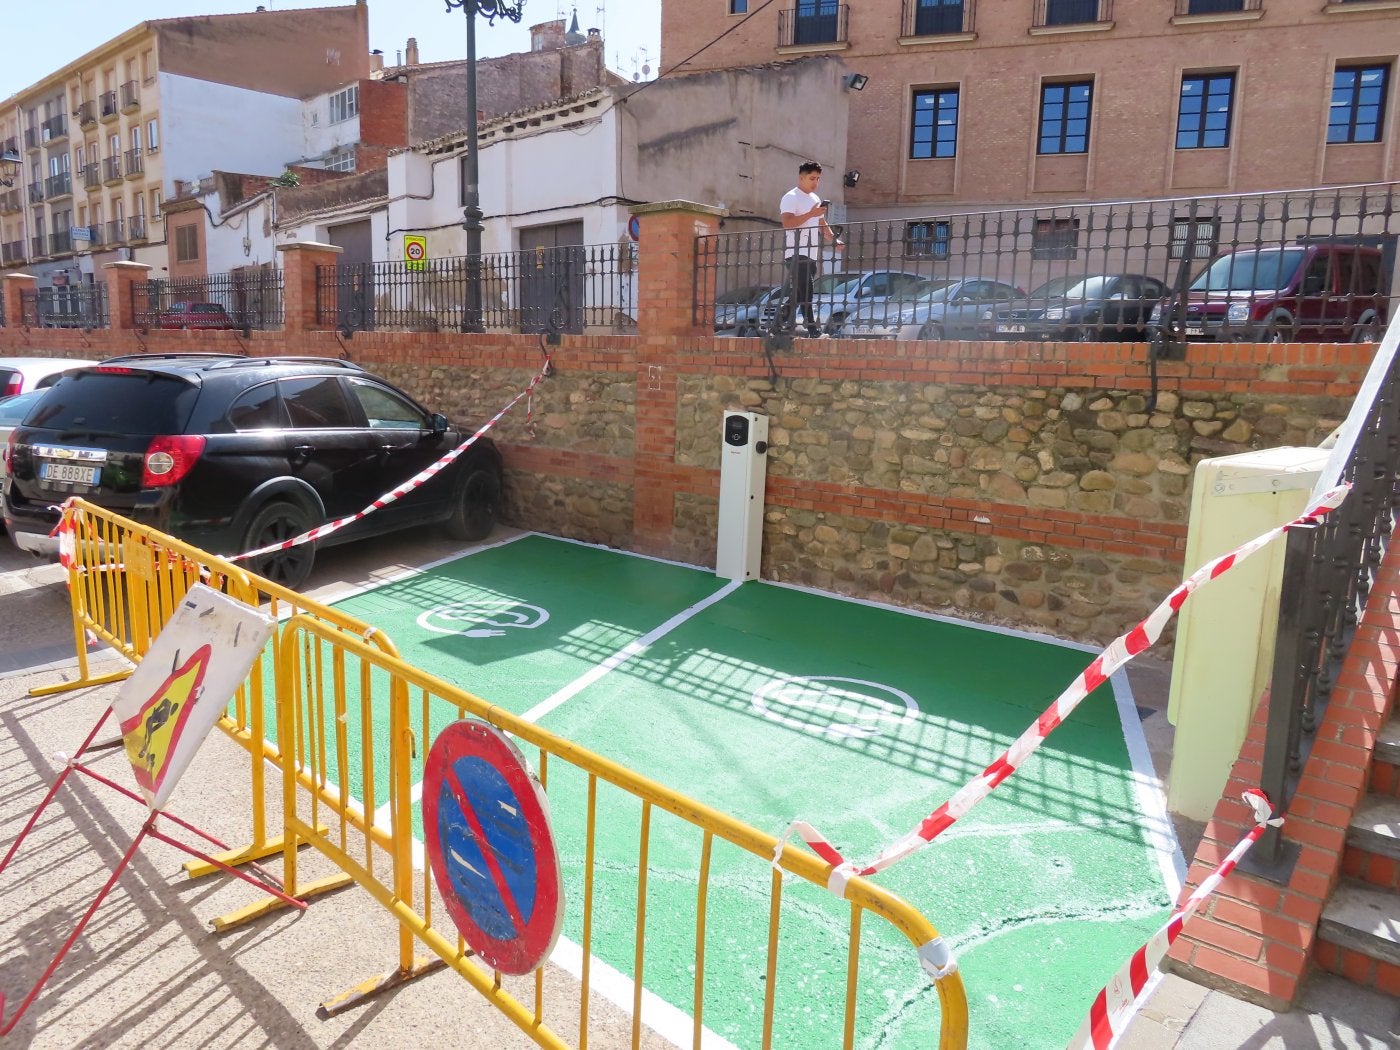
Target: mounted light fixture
856 81
9 167
850 178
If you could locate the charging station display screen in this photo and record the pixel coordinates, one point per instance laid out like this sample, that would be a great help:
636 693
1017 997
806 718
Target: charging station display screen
736 430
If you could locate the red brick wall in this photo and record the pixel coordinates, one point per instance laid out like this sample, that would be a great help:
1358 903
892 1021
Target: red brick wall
383 114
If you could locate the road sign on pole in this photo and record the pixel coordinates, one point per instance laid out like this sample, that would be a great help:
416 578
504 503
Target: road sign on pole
490 846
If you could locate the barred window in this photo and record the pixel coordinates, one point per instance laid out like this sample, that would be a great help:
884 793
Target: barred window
1207 236
928 239
1055 239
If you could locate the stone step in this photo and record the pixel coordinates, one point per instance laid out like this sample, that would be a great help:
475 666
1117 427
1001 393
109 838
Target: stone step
1385 766
1388 742
1363 919
1375 827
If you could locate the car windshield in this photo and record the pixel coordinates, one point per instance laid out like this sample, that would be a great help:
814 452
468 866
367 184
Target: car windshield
837 284
1252 271
933 291
116 402
1056 288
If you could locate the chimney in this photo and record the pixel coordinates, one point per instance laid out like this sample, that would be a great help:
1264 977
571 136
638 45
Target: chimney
376 60
411 55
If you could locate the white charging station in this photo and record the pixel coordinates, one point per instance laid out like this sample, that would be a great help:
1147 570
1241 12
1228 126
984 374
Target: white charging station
742 471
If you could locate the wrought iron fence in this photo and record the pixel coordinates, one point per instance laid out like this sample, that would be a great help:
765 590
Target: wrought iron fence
814 22
574 288
81 306
1327 575
245 299
1318 265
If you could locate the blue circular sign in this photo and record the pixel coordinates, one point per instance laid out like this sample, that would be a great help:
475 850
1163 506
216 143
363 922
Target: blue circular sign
486 826
634 228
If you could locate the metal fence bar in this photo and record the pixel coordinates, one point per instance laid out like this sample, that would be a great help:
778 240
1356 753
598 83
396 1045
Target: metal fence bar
568 288
1316 265
78 306
246 299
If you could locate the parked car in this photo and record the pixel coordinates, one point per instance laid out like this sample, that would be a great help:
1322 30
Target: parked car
1323 292
739 310
948 309
12 410
18 374
1084 307
233 453
835 295
195 316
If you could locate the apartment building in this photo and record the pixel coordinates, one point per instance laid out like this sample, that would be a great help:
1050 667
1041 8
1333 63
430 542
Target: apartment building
102 141
962 104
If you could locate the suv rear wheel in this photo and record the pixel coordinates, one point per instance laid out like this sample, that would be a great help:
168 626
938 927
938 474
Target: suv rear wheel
478 503
274 523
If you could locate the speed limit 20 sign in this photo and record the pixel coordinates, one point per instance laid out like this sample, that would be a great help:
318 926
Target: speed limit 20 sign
415 251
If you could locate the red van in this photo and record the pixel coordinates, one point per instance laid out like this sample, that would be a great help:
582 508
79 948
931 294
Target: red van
1324 293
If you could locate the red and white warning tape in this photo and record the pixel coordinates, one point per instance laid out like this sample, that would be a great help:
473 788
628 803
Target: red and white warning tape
412 483
1113 1005
1103 667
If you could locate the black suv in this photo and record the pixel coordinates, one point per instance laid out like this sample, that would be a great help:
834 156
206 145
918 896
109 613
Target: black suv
234 453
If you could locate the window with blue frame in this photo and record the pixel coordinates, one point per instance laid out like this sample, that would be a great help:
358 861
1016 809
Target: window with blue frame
935 131
1064 117
1358 103
738 7
1203 115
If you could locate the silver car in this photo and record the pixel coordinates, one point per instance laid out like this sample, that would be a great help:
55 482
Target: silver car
947 309
739 310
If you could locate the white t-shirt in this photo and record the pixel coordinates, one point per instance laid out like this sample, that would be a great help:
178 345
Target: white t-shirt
807 238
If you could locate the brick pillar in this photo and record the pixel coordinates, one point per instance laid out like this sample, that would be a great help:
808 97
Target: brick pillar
299 283
15 284
121 310
666 279
666 266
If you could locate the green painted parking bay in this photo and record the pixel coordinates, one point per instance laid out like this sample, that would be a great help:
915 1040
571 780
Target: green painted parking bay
775 703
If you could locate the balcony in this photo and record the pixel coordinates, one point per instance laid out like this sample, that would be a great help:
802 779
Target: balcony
937 17
60 243
31 137
36 193
60 185
114 232
131 98
9 202
87 114
1057 14
54 129
37 247
10 145
136 228
112 170
134 167
813 23
92 176
107 106
94 238
12 252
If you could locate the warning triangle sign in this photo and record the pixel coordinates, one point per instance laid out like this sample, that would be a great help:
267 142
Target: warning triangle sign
153 733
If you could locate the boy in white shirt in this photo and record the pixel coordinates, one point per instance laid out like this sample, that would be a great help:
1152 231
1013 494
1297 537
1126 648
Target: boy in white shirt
804 228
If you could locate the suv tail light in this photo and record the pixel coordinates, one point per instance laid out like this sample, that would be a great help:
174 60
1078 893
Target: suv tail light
168 459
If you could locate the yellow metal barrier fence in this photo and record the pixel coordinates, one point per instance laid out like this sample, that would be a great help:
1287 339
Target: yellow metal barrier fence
358 770
337 743
126 581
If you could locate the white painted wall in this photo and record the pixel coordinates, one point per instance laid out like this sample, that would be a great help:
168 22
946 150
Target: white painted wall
319 135
207 126
239 240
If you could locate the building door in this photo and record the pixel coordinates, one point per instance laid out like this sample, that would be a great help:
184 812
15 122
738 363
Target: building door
354 286
552 266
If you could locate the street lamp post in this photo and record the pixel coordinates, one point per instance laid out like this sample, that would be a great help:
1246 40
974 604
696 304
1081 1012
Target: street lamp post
471 213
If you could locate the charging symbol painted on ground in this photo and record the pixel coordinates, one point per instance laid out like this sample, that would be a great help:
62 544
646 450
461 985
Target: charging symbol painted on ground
841 708
488 618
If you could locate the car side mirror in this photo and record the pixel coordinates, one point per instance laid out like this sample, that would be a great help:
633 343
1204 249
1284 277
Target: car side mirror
439 423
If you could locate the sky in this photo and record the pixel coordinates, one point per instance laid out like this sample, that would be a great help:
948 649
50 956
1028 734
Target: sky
69 29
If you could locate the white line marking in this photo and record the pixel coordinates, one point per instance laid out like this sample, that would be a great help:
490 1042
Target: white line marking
626 653
1152 802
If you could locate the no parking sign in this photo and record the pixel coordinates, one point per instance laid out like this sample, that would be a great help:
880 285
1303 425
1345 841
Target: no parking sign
486 826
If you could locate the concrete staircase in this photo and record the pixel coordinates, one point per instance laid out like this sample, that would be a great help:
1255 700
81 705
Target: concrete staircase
1359 935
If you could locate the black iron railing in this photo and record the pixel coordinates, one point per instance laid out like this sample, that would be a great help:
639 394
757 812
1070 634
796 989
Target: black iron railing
244 299
573 288
12 252
87 113
131 98
81 306
1072 12
938 17
107 104
56 127
813 22
1316 265
1327 576
59 185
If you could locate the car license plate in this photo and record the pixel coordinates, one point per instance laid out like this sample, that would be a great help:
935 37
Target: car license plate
1192 329
1011 328
71 473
